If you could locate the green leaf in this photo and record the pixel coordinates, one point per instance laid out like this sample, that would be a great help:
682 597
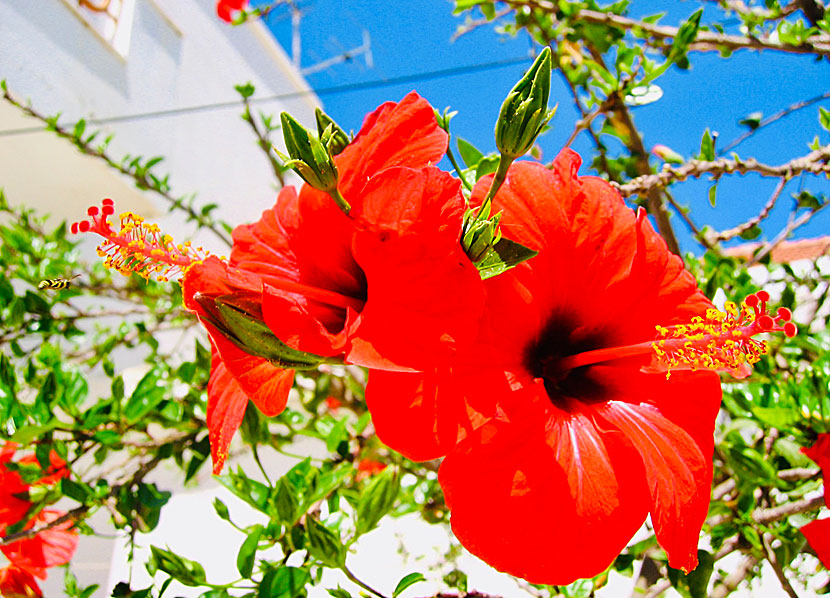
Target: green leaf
686 34
713 194
470 154
753 121
407 581
247 553
286 501
149 393
338 593
221 509
324 544
285 582
751 233
694 584
487 165
185 571
377 500
252 492
707 147
504 255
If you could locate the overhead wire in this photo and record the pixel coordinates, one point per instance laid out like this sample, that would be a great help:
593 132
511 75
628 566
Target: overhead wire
335 89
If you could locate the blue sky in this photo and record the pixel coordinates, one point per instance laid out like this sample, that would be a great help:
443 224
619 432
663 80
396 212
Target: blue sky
412 38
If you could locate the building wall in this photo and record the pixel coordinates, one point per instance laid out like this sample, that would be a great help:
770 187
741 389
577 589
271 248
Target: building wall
179 55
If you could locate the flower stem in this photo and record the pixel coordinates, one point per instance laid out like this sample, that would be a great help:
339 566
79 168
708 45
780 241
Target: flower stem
455 165
340 201
498 181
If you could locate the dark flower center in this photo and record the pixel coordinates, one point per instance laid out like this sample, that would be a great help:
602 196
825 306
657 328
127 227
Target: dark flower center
560 338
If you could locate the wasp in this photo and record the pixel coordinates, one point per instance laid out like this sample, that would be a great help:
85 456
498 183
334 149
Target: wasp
57 284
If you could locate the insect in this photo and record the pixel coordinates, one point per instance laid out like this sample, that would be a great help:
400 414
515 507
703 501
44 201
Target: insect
57 284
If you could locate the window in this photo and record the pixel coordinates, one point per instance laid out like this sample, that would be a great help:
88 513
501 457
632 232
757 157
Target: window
111 20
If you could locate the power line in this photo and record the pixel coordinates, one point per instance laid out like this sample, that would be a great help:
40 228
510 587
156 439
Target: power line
349 87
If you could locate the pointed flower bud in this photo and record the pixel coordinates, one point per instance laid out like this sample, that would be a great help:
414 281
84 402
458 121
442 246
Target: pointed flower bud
333 137
525 111
311 159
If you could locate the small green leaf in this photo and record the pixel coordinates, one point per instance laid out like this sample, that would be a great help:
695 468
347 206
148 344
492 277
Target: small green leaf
753 121
185 571
504 255
285 582
324 544
377 500
286 502
751 233
713 195
707 147
221 509
407 581
469 153
246 557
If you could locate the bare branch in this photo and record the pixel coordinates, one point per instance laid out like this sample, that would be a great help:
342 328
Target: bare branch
815 162
776 566
706 41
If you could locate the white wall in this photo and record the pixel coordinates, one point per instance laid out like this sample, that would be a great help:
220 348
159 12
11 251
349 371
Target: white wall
179 55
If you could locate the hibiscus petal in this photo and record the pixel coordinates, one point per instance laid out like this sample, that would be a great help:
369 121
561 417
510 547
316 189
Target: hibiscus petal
264 247
18 583
424 415
402 134
820 453
50 548
424 295
550 477
818 536
266 385
225 410
679 476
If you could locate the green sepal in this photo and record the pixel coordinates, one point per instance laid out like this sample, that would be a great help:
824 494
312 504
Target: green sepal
505 254
254 337
330 133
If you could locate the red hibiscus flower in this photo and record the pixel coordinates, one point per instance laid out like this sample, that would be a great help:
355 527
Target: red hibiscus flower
225 9
49 548
818 532
18 583
387 286
552 417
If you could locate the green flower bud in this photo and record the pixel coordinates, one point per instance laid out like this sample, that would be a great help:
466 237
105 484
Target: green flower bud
480 234
525 111
332 136
309 157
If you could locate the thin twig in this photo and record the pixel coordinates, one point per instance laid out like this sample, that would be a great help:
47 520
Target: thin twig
771 119
264 143
736 231
776 566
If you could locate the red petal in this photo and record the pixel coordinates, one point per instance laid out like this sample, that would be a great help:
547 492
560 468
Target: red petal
50 548
820 453
213 277
424 415
679 476
304 324
516 491
818 536
18 583
417 275
264 246
402 134
225 409
267 386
